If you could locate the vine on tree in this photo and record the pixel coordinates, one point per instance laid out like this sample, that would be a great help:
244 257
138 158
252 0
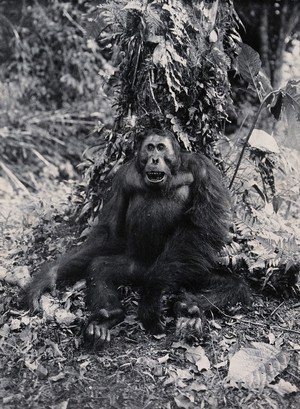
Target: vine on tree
172 59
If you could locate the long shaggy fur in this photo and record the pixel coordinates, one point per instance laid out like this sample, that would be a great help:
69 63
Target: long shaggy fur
161 236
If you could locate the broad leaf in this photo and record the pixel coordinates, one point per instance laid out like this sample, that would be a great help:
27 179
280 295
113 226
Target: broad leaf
263 141
196 355
249 64
254 368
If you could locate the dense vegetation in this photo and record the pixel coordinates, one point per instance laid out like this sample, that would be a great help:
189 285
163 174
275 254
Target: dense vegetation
75 74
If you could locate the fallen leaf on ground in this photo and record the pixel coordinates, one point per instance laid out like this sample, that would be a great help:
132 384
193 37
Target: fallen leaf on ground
184 401
18 276
256 367
197 356
284 388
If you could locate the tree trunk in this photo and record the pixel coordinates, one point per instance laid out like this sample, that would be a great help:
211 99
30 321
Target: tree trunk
264 39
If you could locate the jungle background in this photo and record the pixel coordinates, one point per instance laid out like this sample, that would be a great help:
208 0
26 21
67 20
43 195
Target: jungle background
78 80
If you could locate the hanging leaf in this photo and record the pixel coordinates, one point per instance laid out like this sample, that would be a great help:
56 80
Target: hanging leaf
254 368
159 56
291 106
249 64
179 17
210 12
213 36
276 105
177 129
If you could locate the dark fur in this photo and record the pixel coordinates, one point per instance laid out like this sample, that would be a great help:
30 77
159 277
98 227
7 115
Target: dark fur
162 239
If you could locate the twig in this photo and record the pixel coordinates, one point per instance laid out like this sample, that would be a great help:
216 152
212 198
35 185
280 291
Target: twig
262 105
136 64
273 327
70 18
257 324
14 179
293 375
276 309
42 132
41 157
11 26
153 96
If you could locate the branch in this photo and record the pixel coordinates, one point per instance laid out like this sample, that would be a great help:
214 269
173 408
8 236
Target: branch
262 105
70 18
14 179
257 324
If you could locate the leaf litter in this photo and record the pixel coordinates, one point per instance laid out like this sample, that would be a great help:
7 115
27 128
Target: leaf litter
42 359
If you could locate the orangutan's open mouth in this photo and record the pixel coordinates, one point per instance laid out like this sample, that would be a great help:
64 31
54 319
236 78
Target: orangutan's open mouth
155 177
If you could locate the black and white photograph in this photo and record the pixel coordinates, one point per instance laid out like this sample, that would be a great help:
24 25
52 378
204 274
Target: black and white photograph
149 204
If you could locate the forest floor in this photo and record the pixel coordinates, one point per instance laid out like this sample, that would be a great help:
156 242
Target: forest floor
44 363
